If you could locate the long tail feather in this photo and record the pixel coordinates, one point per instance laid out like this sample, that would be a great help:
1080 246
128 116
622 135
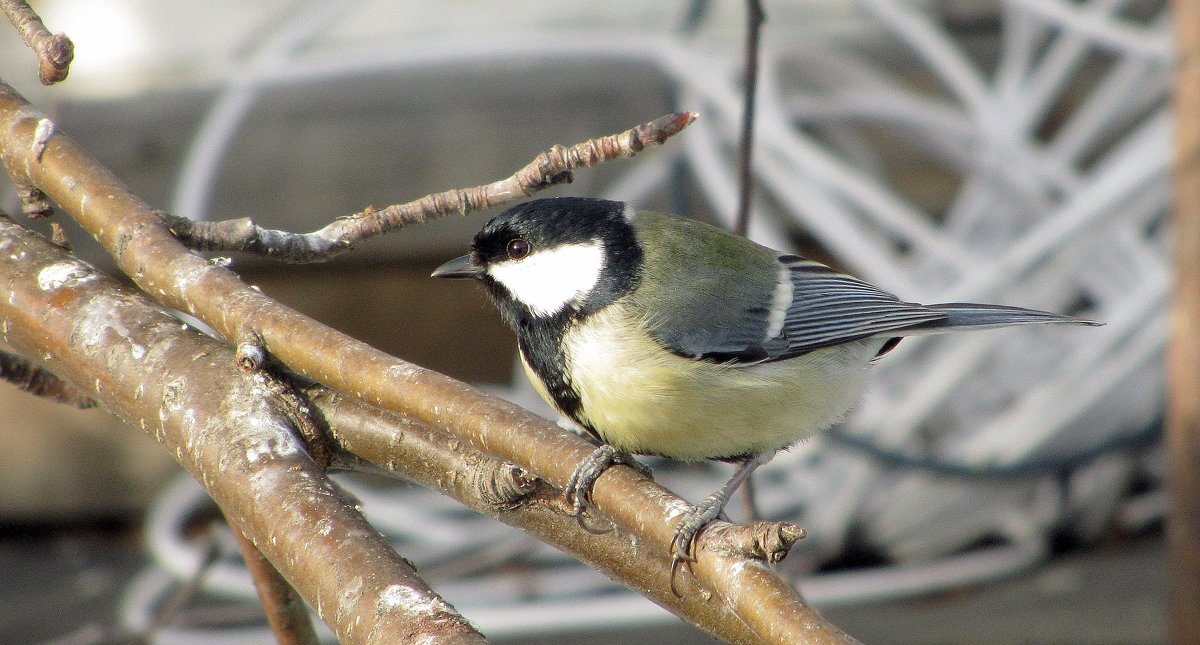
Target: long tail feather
965 315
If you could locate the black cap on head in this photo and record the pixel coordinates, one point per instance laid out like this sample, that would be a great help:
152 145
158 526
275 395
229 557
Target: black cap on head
551 222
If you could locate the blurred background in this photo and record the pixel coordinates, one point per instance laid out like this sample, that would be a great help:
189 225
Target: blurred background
995 487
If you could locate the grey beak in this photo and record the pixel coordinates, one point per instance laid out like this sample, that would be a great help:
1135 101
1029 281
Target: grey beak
458 268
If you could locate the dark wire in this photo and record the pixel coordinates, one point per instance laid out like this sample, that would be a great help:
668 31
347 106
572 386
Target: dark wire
755 17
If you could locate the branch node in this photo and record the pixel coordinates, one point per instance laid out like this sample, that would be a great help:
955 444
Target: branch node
56 54
34 202
306 417
767 541
180 227
501 484
251 353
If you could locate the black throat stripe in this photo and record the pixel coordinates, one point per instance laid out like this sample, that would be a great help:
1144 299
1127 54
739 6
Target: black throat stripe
540 342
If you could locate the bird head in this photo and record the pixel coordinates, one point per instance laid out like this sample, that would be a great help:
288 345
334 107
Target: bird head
550 257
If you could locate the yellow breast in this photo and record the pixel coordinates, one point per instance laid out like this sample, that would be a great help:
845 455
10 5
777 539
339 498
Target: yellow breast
642 399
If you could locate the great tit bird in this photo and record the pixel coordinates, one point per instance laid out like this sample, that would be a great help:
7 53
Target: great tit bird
660 335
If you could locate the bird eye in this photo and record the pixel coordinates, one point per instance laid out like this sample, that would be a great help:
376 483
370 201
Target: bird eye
518 249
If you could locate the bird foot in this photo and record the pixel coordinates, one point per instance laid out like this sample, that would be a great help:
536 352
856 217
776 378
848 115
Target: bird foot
683 545
579 487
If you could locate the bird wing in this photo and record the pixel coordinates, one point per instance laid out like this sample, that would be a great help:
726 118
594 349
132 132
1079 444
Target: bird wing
810 306
829 308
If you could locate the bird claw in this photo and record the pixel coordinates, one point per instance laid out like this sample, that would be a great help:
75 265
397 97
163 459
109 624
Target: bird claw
579 487
682 553
683 545
578 490
679 562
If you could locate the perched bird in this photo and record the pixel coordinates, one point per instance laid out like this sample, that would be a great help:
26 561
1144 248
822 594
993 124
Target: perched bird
665 336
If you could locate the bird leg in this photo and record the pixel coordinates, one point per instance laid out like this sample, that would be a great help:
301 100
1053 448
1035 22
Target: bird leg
683 546
579 486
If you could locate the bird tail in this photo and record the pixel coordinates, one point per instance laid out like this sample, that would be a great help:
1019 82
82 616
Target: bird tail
965 315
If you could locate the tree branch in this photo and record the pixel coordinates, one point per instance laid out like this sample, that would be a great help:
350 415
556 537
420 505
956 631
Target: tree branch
54 51
551 167
134 234
185 389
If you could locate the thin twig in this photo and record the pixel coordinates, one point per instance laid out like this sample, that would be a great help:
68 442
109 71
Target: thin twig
285 610
754 19
549 168
40 382
54 51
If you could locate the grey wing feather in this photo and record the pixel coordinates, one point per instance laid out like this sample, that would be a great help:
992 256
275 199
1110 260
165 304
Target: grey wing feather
830 308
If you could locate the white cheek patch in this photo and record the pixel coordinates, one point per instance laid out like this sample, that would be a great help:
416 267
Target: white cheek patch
547 281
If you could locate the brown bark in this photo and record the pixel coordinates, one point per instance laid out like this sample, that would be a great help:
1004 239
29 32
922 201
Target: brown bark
185 390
